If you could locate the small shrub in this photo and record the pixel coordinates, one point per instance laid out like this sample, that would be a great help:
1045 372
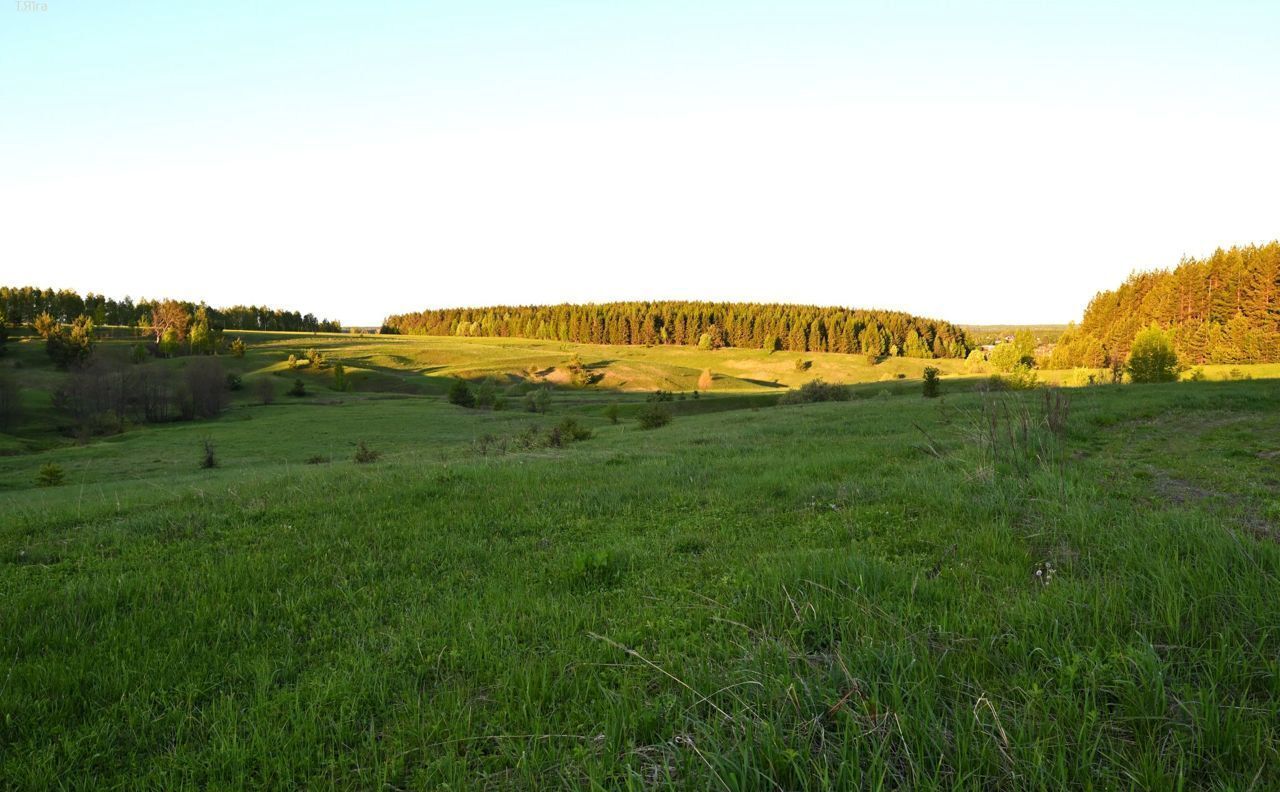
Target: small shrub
612 412
366 455
234 383
486 392
538 401
803 365
1022 377
815 391
237 348
1237 374
139 353
208 459
1196 375
50 475
299 388
265 390
340 382
1152 357
659 396
499 403
573 432
931 382
293 361
654 416
461 395
317 460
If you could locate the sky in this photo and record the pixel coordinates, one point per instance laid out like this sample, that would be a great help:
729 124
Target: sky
982 162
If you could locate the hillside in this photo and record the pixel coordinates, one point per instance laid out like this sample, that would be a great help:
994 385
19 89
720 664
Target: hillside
889 591
791 328
1223 309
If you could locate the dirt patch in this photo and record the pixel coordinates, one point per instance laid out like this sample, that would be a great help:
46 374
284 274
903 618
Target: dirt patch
1179 491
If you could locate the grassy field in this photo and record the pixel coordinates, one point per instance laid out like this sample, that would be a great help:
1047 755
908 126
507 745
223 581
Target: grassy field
886 592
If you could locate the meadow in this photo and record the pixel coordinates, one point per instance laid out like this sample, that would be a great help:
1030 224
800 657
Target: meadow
1036 589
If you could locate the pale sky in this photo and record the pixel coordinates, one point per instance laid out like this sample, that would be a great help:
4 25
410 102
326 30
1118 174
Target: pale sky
975 161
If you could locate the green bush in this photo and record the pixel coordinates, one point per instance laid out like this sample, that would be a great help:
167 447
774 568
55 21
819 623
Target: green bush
366 455
461 395
1152 357
50 475
567 431
815 391
654 416
537 401
208 459
612 412
932 382
299 388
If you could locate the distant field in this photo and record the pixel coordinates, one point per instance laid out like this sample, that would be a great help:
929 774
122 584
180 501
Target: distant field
890 591
990 334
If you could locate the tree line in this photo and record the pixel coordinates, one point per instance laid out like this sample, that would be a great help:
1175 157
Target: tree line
23 304
710 325
1222 309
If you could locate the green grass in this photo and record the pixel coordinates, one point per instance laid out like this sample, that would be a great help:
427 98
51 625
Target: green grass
823 596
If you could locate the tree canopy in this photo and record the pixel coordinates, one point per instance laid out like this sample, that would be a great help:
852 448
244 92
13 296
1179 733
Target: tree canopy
22 304
795 328
1223 309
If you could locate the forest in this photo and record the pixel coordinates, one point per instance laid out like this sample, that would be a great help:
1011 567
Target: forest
22 304
1222 309
709 325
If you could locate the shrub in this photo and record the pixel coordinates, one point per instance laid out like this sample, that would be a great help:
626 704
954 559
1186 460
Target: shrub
209 458
299 388
237 348
815 391
611 412
659 396
265 390
315 358
486 392
569 431
931 382
538 401
654 416
317 460
366 455
1196 375
340 382
139 353
1022 377
1237 374
234 383
293 361
803 365
460 394
1152 357
50 475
